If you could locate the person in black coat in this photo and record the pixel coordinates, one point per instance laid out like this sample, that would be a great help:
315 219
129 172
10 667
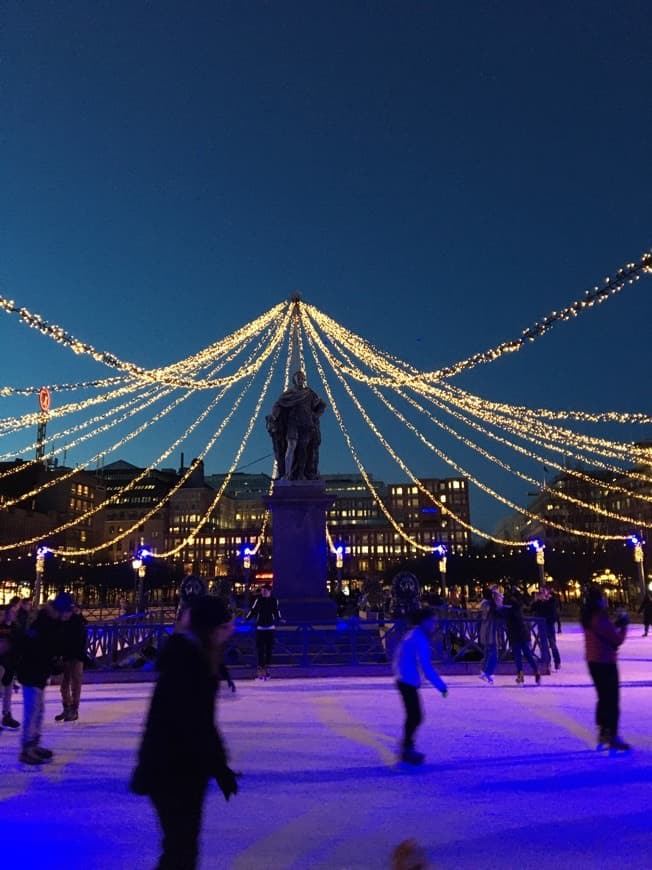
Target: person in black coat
645 608
181 748
518 634
73 648
267 615
40 647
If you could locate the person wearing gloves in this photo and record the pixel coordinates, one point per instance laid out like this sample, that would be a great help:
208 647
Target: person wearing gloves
602 638
181 748
412 658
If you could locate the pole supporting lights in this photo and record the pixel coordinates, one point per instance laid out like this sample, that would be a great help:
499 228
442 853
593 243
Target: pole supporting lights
140 569
539 547
246 554
637 543
41 553
441 552
339 563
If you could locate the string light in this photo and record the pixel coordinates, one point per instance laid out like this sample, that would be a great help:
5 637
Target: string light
627 275
163 375
453 464
119 494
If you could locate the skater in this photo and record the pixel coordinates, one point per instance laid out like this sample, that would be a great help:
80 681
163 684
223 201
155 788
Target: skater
9 649
490 614
73 645
602 639
181 748
646 609
39 648
412 658
545 607
518 635
192 586
267 615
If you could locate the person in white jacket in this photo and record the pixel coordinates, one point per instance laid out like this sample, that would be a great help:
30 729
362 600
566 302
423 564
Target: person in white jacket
412 658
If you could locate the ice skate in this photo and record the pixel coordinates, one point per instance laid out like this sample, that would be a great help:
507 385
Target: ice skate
260 673
604 739
8 721
537 678
61 717
486 678
411 756
42 752
30 756
71 715
520 679
617 744
267 675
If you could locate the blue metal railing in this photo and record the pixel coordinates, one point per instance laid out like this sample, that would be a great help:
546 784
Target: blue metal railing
131 641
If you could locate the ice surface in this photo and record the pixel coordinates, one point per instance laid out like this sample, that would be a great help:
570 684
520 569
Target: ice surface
512 778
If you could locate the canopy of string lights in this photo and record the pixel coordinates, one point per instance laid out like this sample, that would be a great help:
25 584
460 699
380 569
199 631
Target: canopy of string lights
231 378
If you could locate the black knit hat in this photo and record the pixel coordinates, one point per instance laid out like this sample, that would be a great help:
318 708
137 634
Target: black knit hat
207 611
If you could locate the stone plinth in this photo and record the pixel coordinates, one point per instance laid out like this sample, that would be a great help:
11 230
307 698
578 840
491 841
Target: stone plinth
299 550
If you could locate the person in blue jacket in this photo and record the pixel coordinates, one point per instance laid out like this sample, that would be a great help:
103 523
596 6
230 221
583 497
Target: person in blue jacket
412 658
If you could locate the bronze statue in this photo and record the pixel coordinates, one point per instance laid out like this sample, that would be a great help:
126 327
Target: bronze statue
294 428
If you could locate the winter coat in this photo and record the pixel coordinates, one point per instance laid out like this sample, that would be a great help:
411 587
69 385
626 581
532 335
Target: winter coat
265 611
489 621
73 638
517 630
546 609
413 657
602 639
40 646
180 744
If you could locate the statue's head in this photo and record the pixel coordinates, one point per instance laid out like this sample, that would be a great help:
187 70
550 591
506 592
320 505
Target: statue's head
299 379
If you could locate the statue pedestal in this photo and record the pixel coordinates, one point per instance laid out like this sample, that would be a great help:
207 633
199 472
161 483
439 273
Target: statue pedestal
299 550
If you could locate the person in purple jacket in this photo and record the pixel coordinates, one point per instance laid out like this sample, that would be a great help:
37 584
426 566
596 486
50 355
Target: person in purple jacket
412 658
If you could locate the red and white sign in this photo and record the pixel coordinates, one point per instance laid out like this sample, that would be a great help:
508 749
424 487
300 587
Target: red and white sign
44 399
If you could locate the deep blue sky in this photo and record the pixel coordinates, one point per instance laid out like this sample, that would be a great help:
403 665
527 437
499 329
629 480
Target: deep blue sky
436 176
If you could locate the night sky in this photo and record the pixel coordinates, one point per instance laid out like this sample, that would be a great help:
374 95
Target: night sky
435 176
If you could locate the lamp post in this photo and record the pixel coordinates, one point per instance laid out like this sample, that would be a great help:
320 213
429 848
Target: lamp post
140 569
441 552
639 560
40 568
539 547
339 562
246 565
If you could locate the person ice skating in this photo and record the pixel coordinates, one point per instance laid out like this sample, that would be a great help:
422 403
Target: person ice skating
191 587
73 647
39 647
545 607
602 639
9 649
412 658
645 608
181 748
267 615
490 615
518 635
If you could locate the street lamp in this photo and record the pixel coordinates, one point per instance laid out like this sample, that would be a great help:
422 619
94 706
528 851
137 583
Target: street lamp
637 545
246 564
441 551
339 562
41 553
539 547
140 569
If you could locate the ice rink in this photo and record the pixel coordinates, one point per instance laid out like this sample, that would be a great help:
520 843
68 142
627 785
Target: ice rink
512 778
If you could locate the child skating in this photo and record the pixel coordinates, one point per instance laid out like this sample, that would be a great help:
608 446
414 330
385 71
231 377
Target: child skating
412 658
